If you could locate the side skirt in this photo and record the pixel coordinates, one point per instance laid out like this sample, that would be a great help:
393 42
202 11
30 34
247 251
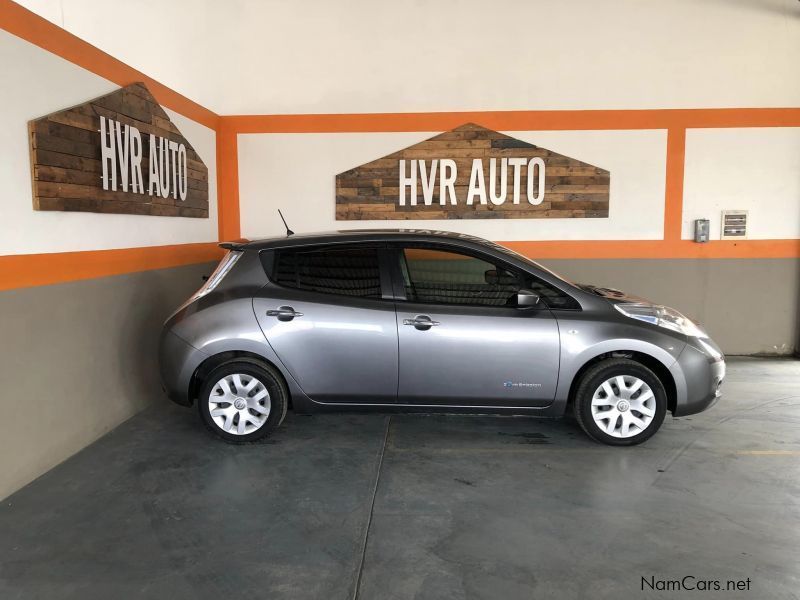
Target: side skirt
553 410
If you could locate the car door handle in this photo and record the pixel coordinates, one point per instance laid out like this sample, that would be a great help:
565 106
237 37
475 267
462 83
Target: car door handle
284 313
421 322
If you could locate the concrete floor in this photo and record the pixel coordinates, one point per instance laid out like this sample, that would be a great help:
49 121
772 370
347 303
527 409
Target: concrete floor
464 507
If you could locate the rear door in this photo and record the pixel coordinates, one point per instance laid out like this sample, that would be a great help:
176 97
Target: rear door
330 318
463 340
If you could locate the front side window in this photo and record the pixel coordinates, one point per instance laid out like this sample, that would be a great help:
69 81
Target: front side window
443 277
433 276
345 272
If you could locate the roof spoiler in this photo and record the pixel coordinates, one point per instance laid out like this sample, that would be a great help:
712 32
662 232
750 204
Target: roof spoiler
236 245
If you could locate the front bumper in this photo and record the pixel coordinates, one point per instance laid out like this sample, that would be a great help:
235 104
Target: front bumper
701 366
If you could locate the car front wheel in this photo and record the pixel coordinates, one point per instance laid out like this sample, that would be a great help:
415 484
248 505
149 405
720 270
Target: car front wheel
620 402
242 401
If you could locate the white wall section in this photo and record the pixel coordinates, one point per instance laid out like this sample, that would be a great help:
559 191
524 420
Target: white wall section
757 170
316 56
35 83
296 173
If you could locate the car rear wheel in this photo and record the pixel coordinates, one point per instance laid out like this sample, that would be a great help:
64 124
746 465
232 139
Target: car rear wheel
242 401
620 402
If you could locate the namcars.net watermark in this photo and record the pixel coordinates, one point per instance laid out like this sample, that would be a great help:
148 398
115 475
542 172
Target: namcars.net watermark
691 583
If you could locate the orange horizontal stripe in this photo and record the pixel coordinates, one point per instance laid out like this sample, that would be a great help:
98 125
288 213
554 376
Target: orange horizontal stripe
520 120
28 270
657 249
31 27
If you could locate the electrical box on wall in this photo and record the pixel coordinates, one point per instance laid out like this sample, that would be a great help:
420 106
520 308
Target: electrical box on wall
701 227
734 225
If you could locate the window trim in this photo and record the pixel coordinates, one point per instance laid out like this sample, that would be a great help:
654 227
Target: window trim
384 277
396 249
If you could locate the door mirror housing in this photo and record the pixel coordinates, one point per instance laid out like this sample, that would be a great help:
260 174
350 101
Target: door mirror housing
528 299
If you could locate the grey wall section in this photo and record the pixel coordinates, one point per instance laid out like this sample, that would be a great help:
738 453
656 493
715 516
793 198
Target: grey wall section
78 359
748 306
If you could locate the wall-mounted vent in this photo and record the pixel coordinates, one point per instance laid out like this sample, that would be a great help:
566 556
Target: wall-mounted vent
734 225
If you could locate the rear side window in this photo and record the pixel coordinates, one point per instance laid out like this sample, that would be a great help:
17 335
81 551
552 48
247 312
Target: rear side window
344 272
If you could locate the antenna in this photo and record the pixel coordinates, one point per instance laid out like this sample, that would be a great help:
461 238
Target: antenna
288 231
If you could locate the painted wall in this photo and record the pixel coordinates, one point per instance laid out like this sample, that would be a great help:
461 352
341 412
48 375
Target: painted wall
749 306
753 169
36 83
362 56
757 170
79 357
272 165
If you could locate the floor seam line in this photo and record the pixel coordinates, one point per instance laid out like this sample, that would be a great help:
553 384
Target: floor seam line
357 588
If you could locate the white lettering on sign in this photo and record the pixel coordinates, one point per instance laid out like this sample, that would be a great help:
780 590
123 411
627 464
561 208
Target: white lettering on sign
121 157
446 170
498 199
408 182
539 196
477 186
447 183
427 182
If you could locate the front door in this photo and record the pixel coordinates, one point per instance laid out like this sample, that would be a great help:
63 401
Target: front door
325 317
462 339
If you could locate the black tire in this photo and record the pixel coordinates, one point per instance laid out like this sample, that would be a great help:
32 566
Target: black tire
272 381
594 378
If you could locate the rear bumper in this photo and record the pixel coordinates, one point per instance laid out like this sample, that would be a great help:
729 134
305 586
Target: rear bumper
178 361
702 366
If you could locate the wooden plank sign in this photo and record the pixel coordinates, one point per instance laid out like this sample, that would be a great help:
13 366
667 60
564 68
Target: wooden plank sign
120 153
472 172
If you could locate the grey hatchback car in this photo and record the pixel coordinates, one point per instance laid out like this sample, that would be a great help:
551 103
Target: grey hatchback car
411 320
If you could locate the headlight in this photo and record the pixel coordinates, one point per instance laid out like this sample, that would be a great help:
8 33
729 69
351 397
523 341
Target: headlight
663 316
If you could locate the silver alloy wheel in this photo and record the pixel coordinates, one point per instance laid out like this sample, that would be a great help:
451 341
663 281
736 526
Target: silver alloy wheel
623 406
239 404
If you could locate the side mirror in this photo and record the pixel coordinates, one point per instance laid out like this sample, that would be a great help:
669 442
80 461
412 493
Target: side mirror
527 299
